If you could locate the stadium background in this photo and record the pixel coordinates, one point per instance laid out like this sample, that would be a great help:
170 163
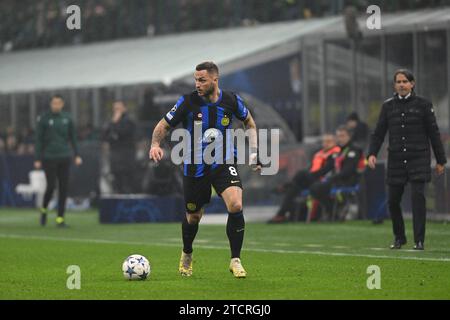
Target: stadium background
300 66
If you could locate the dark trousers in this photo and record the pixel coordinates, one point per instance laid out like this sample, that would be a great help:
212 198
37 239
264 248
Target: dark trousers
302 180
57 169
418 210
123 169
321 192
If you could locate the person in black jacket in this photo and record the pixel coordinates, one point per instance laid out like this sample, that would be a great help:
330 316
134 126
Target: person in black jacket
55 133
343 171
412 126
359 130
120 135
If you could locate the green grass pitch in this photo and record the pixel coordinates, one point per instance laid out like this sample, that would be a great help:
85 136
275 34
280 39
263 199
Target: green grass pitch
295 261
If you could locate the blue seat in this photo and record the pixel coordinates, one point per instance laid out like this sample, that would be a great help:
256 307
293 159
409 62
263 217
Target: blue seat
335 192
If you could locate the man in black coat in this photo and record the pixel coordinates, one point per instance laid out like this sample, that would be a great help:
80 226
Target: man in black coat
412 126
120 135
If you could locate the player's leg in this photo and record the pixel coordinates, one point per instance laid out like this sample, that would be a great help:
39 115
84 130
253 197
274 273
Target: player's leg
228 185
197 192
49 167
62 173
189 229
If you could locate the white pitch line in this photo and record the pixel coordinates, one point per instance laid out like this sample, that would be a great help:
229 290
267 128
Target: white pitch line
313 245
321 253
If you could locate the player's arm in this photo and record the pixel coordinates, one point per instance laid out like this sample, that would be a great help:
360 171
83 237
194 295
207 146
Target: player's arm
159 133
250 125
170 120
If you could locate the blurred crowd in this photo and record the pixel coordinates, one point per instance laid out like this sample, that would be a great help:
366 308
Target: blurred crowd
21 142
29 24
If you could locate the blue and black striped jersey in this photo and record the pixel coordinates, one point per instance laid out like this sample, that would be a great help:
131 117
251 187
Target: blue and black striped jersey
193 111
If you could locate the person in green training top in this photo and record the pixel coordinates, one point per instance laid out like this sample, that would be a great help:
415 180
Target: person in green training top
55 131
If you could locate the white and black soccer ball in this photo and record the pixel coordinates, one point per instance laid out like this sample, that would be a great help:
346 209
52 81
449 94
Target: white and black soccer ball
136 267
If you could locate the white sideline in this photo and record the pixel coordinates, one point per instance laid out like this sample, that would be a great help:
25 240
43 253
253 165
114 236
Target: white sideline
323 253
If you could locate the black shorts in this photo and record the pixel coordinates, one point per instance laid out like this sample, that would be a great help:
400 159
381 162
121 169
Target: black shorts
197 191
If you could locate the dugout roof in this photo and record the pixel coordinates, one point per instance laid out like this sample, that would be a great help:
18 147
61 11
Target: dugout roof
165 59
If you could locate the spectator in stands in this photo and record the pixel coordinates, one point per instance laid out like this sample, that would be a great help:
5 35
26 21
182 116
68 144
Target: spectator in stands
2 145
305 178
26 141
359 131
119 133
11 140
344 170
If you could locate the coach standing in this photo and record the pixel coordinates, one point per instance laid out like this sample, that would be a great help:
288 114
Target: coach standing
55 131
412 126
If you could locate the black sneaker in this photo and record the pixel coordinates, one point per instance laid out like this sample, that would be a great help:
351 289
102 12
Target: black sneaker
418 246
398 244
62 225
43 219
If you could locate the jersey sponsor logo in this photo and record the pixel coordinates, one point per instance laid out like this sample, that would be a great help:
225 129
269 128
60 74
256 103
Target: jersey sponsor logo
211 134
225 121
169 116
191 206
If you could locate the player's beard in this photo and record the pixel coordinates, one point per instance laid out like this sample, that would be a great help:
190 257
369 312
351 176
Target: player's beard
208 92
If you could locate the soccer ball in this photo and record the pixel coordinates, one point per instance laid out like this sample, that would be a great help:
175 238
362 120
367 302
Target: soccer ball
136 267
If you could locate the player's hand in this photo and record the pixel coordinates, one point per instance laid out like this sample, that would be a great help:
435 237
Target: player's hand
254 163
372 162
37 165
440 169
78 161
156 154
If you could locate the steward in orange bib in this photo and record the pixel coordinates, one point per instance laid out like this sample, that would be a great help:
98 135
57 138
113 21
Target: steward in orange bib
305 178
344 170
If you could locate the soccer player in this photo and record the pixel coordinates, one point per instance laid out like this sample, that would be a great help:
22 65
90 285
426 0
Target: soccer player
209 108
55 131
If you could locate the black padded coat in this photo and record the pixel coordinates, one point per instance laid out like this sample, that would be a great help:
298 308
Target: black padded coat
412 127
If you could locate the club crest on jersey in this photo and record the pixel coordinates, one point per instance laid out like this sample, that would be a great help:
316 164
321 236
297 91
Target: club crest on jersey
225 121
191 206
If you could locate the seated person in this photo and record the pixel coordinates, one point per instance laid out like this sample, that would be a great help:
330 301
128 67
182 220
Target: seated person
343 171
304 178
359 131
